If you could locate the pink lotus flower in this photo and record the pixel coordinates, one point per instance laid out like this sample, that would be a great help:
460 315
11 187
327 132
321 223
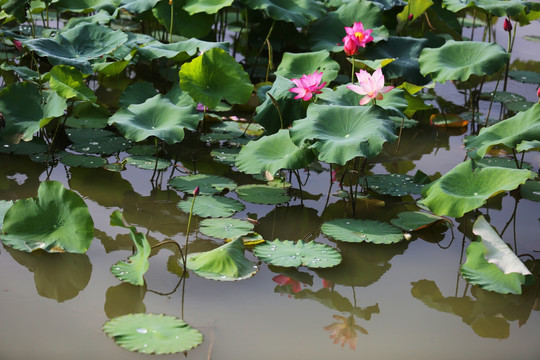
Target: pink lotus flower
370 85
308 85
362 36
350 45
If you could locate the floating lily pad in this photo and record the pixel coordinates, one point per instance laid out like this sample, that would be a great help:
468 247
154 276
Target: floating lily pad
86 161
518 106
290 254
225 228
492 265
225 155
212 206
465 188
36 146
152 333
531 190
225 263
213 76
502 96
458 60
359 230
142 150
342 133
148 162
447 120
262 194
97 141
132 270
57 220
391 184
417 220
272 153
208 184
524 126
524 76
88 115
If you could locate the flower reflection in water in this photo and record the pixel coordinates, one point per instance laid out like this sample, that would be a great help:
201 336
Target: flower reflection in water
344 331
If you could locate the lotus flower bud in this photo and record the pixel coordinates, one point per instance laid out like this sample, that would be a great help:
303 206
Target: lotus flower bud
17 44
507 26
350 45
410 17
196 191
538 93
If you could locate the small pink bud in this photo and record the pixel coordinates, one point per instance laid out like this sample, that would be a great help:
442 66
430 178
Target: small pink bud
350 45
410 17
538 92
507 26
18 45
196 191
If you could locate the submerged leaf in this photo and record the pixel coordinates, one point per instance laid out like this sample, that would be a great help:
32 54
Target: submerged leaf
57 220
152 333
225 263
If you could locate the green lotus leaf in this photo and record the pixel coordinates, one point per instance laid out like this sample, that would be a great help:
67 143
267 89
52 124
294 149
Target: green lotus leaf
181 50
16 8
138 6
263 194
531 190
518 106
405 52
225 263
299 12
391 184
132 270
142 150
360 230
225 155
465 188
212 206
328 32
78 46
152 333
147 162
137 93
294 65
206 6
92 141
524 126
458 60
83 161
500 162
492 265
189 26
416 220
494 7
502 96
23 72
158 117
4 207
290 109
26 110
86 5
88 115
68 82
343 133
225 228
290 254
35 146
207 184
524 76
272 153
57 220
213 76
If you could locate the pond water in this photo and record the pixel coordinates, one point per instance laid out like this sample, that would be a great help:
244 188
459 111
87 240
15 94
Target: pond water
405 300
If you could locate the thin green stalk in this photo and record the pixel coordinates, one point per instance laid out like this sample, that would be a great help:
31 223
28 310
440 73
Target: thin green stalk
352 70
277 108
262 47
171 2
491 102
188 226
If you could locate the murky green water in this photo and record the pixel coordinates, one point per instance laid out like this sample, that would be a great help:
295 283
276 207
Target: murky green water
406 300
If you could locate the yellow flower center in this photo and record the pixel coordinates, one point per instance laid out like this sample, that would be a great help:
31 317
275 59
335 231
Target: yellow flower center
359 35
